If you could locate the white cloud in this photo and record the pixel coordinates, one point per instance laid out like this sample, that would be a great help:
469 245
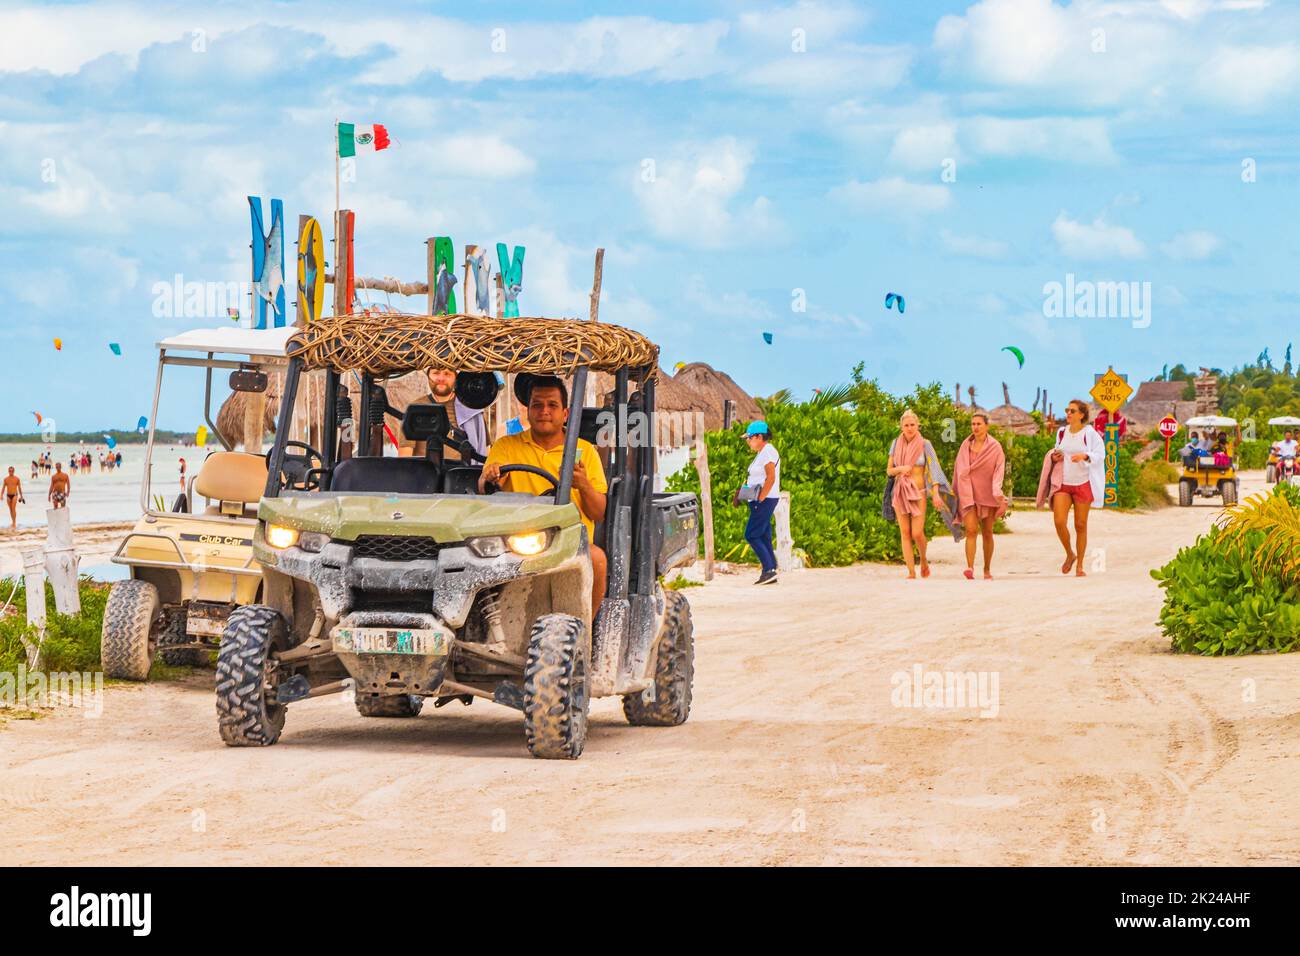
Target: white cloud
925 147
1196 245
694 199
481 157
1250 78
892 196
1095 240
842 69
1057 138
977 247
1129 54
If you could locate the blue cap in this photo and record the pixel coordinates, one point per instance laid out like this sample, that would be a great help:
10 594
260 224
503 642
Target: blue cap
756 428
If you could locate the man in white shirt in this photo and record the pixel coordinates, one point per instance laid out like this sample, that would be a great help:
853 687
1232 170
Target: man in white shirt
1286 448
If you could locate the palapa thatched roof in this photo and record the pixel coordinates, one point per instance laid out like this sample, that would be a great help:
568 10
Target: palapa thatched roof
1013 419
391 343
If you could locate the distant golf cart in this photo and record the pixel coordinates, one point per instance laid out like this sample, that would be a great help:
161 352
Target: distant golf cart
1207 475
1272 468
395 576
191 565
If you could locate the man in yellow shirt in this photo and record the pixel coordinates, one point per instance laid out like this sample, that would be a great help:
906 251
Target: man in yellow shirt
542 446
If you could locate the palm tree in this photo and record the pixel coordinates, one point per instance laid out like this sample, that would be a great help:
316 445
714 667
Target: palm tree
1278 519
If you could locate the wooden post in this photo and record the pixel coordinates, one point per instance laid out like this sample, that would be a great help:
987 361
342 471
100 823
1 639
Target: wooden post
61 561
341 304
728 413
254 421
591 398
784 543
34 580
706 503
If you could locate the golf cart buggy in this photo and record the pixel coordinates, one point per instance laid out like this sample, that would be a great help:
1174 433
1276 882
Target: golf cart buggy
190 566
1281 467
1209 474
392 577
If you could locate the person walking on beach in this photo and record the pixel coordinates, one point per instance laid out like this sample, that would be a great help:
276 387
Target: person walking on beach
1073 477
13 495
912 464
182 476
978 475
60 487
762 491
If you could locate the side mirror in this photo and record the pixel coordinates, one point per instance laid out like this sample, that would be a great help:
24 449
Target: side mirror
248 380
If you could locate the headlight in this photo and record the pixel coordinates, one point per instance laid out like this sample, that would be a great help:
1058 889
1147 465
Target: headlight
280 537
529 544
487 547
313 541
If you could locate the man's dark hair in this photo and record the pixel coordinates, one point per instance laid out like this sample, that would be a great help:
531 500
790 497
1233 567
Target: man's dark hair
549 381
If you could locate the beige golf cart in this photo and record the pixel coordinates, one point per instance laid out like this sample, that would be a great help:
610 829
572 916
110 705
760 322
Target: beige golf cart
192 564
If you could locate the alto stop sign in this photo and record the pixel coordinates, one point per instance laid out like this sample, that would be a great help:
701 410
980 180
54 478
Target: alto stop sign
1168 427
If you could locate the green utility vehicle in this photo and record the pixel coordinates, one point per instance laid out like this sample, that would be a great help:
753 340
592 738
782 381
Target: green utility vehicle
394 579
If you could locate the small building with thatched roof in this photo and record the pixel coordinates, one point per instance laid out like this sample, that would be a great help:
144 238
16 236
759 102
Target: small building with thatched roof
1010 418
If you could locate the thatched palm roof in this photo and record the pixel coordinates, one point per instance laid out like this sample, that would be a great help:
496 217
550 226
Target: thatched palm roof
1013 419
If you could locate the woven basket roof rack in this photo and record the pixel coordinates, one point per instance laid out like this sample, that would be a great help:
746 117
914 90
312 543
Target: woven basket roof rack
391 343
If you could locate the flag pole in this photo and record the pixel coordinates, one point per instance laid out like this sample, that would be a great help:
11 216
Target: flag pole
336 174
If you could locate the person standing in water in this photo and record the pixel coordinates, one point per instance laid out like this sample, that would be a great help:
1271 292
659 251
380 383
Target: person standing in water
978 475
911 458
1081 454
60 487
13 495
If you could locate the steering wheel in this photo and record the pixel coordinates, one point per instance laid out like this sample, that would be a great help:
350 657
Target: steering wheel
534 470
299 472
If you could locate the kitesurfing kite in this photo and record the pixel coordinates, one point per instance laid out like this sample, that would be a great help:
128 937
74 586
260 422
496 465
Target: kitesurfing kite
117 349
891 298
140 426
767 337
1020 356
38 417
233 314
58 345
679 366
110 441
201 436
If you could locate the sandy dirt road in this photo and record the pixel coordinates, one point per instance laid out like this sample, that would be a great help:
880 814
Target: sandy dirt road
1105 747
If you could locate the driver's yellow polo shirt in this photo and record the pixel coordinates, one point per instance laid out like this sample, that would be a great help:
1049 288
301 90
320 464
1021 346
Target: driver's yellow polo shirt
520 449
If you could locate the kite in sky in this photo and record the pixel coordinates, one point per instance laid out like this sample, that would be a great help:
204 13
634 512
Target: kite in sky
201 436
1020 356
767 337
142 424
58 345
894 297
117 349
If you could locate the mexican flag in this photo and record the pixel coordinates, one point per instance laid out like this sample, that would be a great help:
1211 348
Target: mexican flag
352 138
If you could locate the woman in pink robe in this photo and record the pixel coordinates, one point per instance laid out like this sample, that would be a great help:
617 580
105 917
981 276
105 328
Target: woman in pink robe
910 467
978 475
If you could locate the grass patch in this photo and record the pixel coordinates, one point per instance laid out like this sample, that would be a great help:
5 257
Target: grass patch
1152 481
680 582
71 641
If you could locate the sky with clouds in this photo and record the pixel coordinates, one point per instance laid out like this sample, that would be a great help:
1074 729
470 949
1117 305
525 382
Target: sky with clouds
748 169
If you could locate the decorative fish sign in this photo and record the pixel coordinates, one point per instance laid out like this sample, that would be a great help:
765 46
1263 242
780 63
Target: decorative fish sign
478 279
268 261
512 278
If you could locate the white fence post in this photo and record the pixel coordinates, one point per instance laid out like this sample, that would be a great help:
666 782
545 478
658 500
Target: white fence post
34 582
61 562
784 543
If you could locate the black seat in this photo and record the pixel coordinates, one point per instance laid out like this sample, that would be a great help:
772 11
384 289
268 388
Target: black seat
402 476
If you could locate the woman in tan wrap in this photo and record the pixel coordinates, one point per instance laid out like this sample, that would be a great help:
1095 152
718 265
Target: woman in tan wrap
978 475
909 464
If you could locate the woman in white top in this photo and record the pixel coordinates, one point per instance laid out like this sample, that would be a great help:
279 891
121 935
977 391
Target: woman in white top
762 491
1081 454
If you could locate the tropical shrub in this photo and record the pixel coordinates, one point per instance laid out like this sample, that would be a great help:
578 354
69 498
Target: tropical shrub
1236 590
71 641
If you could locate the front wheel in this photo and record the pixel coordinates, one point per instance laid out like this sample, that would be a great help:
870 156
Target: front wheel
126 642
1186 490
555 687
669 702
1229 490
247 714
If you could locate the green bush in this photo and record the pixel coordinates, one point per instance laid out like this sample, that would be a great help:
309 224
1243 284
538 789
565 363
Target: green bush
1153 480
1220 599
71 642
1253 454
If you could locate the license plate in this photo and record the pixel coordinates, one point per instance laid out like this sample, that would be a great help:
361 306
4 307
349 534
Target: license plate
392 640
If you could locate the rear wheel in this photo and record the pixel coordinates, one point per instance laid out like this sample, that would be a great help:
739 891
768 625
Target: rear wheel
1186 491
395 705
1229 491
247 715
555 687
670 696
1270 473
126 642
173 634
